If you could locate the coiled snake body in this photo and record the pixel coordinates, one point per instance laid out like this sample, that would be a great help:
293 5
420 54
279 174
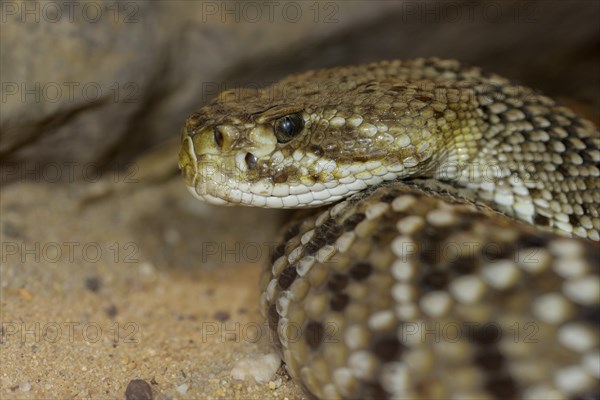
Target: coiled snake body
441 263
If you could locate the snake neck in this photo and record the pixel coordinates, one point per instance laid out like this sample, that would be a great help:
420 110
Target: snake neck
529 158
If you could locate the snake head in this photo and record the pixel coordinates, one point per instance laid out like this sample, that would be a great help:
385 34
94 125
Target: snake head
305 142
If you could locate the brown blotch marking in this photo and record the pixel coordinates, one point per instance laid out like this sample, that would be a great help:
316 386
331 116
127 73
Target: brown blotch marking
317 150
465 223
486 335
592 257
464 265
429 249
563 169
337 282
373 390
314 245
273 317
502 387
314 333
339 301
386 230
272 322
328 231
387 348
390 196
494 251
587 158
360 270
351 222
434 280
280 177
290 233
572 131
490 359
287 277
431 239
573 220
535 193
533 240
277 252
539 219
590 314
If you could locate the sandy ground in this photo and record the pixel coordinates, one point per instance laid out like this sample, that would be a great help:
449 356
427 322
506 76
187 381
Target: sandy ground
105 281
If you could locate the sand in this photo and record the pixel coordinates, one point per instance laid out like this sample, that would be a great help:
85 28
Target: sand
108 280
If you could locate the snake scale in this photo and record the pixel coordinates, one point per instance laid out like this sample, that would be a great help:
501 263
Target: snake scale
453 251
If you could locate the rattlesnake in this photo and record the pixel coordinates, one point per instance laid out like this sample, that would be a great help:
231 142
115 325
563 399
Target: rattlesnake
441 260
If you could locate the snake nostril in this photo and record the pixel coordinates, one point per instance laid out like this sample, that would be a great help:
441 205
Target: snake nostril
251 160
218 137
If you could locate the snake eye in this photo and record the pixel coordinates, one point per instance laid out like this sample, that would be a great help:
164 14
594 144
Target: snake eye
288 127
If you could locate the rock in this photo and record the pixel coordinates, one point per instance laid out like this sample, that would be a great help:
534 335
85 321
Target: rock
182 389
95 95
93 283
138 389
261 368
72 87
104 95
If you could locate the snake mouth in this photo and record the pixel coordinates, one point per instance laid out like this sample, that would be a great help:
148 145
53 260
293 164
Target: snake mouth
217 188
238 178
217 181
212 186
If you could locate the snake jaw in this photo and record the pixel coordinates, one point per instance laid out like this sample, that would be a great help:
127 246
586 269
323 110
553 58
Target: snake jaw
207 198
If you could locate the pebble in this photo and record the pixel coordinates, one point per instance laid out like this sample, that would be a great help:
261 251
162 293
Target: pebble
275 384
138 389
182 388
222 316
111 311
260 368
93 283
